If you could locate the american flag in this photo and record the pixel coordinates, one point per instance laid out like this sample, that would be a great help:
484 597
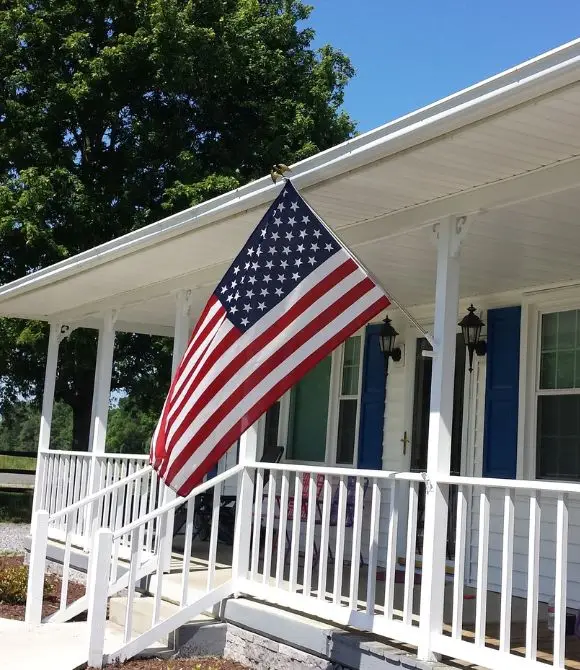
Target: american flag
292 295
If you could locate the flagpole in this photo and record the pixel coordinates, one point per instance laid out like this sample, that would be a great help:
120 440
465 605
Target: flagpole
355 258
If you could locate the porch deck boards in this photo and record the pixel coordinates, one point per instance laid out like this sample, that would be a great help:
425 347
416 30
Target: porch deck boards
198 578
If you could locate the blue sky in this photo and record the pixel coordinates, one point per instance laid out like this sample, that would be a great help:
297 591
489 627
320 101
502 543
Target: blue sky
408 54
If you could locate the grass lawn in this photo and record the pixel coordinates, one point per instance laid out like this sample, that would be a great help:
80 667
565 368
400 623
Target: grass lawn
15 506
17 463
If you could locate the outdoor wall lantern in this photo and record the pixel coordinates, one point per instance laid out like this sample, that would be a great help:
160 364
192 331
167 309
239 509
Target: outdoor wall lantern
471 326
387 338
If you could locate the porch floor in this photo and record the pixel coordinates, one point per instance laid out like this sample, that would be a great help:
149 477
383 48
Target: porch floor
198 580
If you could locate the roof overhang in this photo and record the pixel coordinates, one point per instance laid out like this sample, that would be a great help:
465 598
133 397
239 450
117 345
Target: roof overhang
486 151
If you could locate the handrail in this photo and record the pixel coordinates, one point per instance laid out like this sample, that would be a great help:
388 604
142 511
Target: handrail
90 454
340 472
99 494
524 484
202 488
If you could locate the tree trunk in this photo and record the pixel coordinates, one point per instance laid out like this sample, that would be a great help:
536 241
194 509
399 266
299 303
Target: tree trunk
81 426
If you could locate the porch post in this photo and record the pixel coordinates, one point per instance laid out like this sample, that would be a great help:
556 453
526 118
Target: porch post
245 501
180 339
54 340
449 234
100 411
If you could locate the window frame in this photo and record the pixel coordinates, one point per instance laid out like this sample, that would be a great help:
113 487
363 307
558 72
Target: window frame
335 396
555 308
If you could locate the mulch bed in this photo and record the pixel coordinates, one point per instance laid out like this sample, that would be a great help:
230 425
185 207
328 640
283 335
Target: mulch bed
180 664
51 603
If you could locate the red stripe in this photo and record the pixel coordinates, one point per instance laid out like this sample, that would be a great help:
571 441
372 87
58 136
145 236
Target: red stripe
158 449
303 303
276 392
248 384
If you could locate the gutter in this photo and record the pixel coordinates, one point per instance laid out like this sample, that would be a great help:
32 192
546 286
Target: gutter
532 79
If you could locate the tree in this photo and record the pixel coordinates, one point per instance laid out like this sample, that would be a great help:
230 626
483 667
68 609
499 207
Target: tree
117 112
130 428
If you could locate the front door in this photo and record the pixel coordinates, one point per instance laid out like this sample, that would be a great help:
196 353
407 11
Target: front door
420 431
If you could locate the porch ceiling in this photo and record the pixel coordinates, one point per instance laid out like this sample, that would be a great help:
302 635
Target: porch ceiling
514 166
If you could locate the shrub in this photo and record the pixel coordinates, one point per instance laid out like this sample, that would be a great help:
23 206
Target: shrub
13 584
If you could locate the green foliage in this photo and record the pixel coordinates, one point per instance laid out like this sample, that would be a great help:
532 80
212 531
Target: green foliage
114 113
13 585
130 429
15 506
20 425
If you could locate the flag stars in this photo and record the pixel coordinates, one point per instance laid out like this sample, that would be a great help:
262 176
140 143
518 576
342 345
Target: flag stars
298 262
275 236
236 269
291 220
250 294
289 235
259 251
224 289
270 265
281 278
314 246
312 261
272 250
244 322
237 296
278 291
302 234
277 221
255 266
328 247
300 248
247 308
294 206
295 276
267 279
233 309
284 264
262 306
286 250
317 233
246 266
281 207
252 280
250 252
264 292
230 298
234 284
263 232
305 219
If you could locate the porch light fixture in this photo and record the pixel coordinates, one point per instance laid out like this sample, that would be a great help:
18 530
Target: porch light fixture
471 326
387 338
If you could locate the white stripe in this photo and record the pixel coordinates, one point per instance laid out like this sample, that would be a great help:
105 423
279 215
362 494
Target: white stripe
310 314
251 334
198 329
311 345
214 337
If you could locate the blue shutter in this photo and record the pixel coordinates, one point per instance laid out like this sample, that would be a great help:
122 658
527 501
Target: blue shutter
372 409
500 439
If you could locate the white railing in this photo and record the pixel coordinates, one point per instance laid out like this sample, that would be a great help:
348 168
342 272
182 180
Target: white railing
113 506
70 476
203 506
522 533
316 547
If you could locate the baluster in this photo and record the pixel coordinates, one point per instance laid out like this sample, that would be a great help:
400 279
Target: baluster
459 568
59 486
115 498
410 557
187 550
356 544
77 495
51 485
133 565
561 581
507 560
324 537
161 560
268 541
309 542
101 464
391 562
66 563
152 505
115 560
340 538
107 500
482 566
213 538
257 524
533 577
295 542
373 546
282 529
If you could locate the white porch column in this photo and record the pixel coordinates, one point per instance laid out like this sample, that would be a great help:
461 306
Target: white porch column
100 411
102 388
180 339
245 502
54 341
440 422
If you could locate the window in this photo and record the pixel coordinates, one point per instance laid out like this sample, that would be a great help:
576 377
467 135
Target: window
348 401
323 409
558 401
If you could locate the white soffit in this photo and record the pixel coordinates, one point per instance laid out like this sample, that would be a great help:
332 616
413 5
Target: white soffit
506 139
